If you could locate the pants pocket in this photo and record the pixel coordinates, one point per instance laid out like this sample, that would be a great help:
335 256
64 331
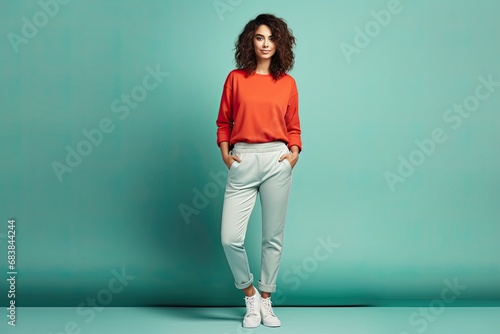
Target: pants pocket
285 161
233 164
288 163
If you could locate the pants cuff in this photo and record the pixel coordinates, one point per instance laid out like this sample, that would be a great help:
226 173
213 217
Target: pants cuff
266 288
246 284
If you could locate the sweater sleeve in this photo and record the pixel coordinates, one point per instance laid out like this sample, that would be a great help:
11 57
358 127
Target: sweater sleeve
292 120
225 118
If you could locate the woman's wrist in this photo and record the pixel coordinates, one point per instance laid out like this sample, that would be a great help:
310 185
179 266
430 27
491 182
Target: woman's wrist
224 149
295 150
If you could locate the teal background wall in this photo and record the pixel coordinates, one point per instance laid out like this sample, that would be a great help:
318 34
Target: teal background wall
395 196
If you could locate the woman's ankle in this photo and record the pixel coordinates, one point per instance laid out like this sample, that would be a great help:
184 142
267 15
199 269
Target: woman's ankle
265 294
250 291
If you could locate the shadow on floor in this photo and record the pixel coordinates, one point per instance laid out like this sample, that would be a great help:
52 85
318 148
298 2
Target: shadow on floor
199 313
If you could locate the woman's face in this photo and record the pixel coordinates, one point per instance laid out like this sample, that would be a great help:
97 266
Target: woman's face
263 43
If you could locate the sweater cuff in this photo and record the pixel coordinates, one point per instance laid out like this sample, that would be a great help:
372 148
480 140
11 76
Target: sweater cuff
295 142
222 138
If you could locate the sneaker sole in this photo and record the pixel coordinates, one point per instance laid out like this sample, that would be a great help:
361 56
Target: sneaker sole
247 326
269 325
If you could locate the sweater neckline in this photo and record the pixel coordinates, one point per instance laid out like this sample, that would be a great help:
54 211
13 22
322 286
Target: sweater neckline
267 74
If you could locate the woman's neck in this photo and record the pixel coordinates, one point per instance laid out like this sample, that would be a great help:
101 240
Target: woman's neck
263 67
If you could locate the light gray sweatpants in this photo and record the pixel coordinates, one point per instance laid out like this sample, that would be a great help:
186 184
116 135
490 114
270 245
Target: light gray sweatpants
258 172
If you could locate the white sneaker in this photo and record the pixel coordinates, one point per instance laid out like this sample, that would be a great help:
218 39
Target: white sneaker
266 311
252 317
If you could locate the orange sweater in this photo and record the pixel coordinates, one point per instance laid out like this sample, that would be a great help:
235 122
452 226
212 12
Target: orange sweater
258 109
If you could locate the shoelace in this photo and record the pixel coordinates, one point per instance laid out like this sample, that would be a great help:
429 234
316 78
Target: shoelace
250 304
267 307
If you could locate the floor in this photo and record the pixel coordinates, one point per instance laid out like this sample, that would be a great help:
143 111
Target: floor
227 320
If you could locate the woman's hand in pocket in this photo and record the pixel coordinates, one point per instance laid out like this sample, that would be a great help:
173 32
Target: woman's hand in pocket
291 157
229 159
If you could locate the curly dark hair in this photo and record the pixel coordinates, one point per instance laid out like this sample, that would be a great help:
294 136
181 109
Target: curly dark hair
283 59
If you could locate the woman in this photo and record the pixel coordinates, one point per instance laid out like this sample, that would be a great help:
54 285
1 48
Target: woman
259 138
